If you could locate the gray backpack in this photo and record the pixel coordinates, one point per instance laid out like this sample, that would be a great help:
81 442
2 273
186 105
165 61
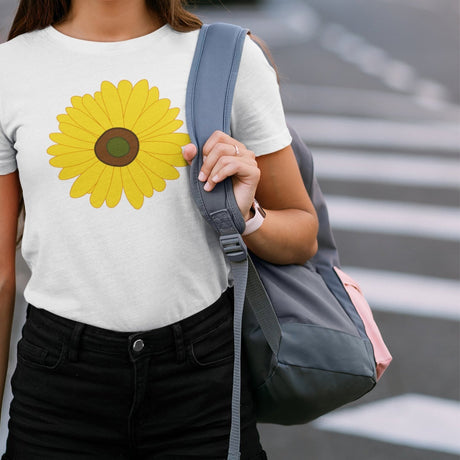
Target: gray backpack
308 333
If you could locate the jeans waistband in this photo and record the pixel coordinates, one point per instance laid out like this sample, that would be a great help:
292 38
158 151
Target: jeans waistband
51 327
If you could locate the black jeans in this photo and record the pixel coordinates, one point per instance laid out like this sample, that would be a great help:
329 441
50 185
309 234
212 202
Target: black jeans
82 392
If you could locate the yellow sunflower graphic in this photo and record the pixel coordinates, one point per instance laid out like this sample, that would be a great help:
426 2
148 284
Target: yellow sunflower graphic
121 139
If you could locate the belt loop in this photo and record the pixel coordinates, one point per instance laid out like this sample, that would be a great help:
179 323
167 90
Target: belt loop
179 341
75 341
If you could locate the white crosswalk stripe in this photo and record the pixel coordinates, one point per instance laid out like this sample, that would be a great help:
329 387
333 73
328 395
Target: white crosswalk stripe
387 168
414 420
378 134
409 294
396 218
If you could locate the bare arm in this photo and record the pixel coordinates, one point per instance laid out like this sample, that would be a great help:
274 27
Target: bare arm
288 234
9 206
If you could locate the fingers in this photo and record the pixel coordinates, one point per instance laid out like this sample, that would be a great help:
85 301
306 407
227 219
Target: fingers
189 152
245 171
224 157
219 137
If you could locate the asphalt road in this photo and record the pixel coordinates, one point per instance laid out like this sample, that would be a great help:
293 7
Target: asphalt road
373 87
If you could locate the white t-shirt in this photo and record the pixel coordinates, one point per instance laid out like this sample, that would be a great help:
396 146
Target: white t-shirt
112 236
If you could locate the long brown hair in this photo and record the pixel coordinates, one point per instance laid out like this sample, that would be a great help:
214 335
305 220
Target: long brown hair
38 14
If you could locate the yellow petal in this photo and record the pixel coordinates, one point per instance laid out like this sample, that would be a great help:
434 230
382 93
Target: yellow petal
174 138
58 149
151 116
115 190
162 128
72 159
85 121
157 166
96 112
153 96
112 103
84 183
162 148
124 90
64 118
173 160
77 133
136 103
73 171
157 182
100 102
77 102
141 179
100 191
70 141
132 192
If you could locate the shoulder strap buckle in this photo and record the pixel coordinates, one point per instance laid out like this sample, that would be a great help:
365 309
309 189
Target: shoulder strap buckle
234 247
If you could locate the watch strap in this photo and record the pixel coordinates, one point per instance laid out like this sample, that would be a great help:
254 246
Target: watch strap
255 222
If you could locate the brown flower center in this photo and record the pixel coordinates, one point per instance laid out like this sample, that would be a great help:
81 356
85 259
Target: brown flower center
117 147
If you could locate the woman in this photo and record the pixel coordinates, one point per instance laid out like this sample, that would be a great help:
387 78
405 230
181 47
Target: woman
127 347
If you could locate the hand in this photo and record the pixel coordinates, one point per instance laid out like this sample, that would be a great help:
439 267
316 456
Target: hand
220 160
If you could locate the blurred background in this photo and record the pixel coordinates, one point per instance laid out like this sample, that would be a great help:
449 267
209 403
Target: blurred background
373 87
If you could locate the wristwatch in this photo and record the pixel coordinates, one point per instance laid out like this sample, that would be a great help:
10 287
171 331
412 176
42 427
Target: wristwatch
255 222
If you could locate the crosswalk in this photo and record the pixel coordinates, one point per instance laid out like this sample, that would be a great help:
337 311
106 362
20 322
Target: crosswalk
391 155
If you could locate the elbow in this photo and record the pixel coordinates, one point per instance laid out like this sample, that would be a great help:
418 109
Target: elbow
310 241
312 250
306 252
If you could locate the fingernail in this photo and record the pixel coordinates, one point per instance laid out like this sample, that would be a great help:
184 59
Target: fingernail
202 176
215 178
207 186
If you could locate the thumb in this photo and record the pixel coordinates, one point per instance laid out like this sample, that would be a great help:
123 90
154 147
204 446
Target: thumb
189 152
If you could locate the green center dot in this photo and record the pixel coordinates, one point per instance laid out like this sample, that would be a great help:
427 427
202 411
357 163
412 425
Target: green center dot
117 147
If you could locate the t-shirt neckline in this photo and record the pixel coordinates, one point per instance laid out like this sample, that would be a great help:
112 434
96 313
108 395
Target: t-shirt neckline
89 46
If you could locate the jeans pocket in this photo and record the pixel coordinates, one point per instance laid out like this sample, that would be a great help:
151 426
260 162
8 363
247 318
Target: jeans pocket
215 347
36 356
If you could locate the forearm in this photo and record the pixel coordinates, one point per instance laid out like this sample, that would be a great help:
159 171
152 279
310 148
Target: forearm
287 236
7 297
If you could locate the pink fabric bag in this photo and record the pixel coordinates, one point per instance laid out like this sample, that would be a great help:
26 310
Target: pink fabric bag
382 355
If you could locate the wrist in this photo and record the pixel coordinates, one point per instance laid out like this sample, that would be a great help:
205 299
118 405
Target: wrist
254 219
250 214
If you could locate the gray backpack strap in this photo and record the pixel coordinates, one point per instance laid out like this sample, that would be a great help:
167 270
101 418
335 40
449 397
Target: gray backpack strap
209 101
208 108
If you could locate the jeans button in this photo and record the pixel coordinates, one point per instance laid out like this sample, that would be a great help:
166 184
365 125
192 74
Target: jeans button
138 345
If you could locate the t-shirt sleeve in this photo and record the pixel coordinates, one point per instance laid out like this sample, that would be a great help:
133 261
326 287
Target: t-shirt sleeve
258 119
7 154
